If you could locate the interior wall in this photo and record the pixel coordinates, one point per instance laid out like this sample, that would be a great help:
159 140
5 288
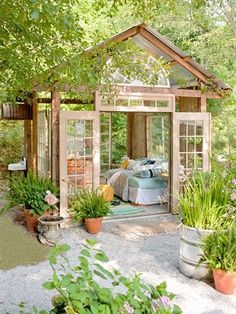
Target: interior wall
137 135
189 104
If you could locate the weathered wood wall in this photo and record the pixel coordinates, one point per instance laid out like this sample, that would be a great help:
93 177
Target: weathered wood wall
137 135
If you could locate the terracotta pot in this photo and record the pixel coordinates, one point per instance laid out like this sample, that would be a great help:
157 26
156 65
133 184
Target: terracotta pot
225 281
31 221
93 225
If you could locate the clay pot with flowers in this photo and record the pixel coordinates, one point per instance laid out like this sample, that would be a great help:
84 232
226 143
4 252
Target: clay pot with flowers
51 220
30 192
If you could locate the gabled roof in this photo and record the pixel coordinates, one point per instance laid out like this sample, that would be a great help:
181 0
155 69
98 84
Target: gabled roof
154 42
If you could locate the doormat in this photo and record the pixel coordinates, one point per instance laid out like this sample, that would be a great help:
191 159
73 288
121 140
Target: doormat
125 210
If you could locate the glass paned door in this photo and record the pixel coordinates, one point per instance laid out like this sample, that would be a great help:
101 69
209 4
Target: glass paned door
79 154
190 147
44 138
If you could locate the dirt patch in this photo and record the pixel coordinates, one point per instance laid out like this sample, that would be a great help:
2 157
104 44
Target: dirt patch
131 229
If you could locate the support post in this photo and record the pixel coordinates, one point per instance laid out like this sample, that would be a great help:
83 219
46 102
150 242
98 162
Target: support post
35 132
55 124
203 103
28 144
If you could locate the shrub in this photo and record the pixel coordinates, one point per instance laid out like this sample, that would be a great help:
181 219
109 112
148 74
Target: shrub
31 191
11 143
219 250
79 291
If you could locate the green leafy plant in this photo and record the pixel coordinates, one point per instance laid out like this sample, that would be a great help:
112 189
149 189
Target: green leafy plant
11 143
89 204
219 250
31 191
205 201
80 292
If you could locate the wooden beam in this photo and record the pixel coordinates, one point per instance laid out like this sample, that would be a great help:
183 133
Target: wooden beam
173 62
166 90
28 144
55 123
203 104
35 132
174 55
143 89
64 101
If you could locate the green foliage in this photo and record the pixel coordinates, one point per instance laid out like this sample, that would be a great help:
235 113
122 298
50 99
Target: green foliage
30 192
219 250
89 204
80 292
205 201
11 142
119 137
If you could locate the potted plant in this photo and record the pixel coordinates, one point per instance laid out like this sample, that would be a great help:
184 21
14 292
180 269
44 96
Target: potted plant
219 252
90 206
30 192
204 207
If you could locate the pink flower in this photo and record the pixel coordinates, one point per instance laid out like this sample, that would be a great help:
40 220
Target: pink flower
234 181
127 308
163 302
51 199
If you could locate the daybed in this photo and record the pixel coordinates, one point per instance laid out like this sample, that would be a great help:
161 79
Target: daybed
142 184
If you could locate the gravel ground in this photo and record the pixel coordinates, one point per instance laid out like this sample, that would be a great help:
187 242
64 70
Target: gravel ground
153 254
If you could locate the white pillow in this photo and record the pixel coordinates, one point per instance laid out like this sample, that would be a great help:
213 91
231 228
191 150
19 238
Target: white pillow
143 168
164 166
132 164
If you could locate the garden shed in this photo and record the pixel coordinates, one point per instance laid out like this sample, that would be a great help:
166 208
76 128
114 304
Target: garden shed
162 121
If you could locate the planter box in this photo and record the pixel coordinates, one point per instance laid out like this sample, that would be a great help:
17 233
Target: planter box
190 253
16 112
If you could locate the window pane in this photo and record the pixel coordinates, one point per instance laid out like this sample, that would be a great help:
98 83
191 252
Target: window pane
182 144
183 128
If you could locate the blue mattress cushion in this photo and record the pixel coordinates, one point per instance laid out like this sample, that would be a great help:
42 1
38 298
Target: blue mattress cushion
147 183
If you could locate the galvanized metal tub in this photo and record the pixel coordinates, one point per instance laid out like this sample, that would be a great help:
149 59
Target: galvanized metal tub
190 253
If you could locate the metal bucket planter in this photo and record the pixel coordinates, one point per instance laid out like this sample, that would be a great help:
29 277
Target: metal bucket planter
190 253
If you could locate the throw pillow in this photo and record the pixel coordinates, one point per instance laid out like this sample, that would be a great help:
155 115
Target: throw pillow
124 164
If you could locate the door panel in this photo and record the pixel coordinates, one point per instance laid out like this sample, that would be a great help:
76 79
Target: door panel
79 154
190 147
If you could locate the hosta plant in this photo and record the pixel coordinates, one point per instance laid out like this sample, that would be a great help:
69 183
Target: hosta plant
79 289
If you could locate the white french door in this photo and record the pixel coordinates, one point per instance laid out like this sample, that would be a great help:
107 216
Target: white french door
79 154
191 145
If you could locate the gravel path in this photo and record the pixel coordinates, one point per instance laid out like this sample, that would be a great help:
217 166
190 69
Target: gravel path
155 255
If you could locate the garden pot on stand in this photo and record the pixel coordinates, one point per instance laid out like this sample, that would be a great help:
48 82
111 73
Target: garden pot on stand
93 225
50 227
225 281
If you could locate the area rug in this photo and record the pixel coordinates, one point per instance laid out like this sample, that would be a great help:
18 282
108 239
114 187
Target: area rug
125 209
